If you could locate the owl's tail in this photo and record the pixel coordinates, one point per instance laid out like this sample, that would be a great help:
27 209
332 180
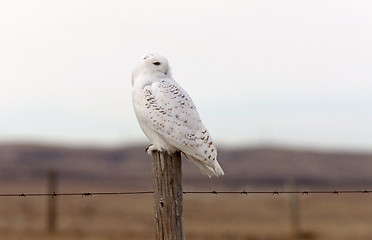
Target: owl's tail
215 170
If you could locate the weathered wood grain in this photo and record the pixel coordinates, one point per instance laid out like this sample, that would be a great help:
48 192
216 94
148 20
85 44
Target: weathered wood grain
168 196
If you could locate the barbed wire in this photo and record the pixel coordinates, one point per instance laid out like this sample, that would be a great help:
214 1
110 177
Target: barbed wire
87 194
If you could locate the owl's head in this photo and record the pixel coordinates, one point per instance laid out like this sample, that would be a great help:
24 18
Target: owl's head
152 64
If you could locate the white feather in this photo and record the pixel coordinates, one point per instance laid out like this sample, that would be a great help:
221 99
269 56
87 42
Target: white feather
168 117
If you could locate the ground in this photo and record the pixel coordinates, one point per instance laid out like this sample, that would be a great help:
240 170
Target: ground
236 217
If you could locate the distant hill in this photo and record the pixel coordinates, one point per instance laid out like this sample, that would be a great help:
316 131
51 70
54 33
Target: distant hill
130 167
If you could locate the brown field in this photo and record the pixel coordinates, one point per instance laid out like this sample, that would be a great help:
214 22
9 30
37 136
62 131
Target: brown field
23 169
236 217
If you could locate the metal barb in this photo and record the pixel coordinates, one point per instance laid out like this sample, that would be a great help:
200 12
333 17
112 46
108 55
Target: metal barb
244 192
214 192
275 193
305 193
87 194
335 192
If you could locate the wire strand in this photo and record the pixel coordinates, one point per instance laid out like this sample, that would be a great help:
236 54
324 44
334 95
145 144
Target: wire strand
87 194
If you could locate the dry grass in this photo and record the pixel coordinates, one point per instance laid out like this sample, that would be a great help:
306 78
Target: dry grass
252 217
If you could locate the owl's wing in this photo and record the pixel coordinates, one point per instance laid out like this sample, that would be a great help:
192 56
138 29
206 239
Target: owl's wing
173 115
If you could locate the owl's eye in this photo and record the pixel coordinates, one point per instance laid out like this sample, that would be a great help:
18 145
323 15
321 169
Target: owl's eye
156 63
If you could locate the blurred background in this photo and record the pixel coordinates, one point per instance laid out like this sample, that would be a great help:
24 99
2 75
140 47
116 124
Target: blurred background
284 87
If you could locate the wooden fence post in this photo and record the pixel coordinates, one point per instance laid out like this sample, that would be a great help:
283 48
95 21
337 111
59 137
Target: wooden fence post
168 195
52 202
294 208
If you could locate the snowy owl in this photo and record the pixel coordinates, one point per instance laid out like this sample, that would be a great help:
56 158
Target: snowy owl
168 117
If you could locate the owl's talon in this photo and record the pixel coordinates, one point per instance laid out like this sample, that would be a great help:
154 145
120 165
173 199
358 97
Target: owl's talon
150 149
147 149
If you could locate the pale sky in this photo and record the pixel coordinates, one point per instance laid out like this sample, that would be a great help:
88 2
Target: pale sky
296 73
